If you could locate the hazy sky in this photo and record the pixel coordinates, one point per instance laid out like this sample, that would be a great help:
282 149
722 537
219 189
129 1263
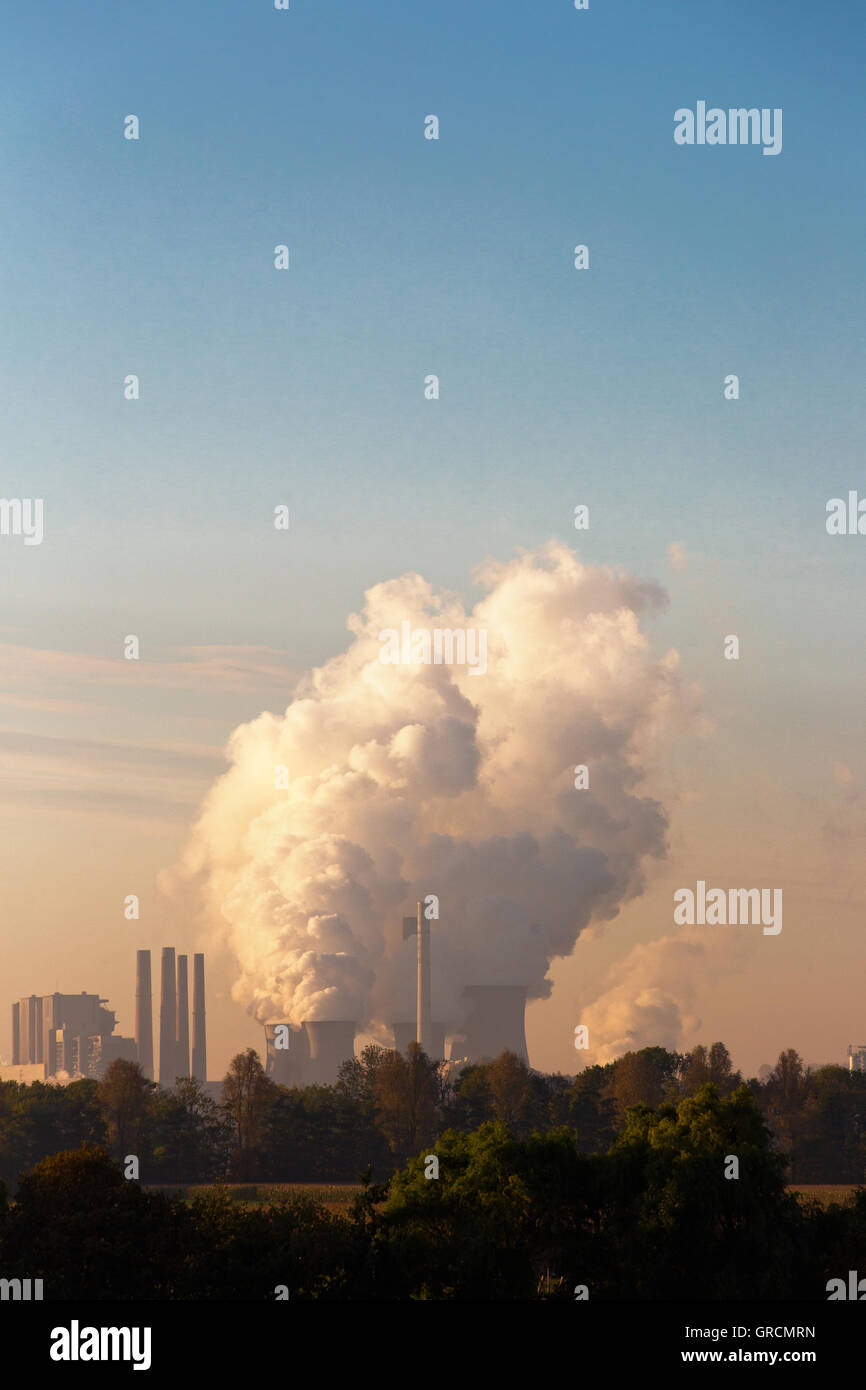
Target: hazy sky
305 387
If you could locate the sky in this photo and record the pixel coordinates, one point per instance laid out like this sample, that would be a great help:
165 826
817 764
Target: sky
557 387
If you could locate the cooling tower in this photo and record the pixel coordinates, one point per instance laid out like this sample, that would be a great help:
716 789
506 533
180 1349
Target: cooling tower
330 1044
494 1021
199 1042
182 1062
144 1013
167 1019
404 1033
286 1065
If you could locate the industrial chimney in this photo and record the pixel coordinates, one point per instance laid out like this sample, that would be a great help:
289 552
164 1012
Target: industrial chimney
199 1043
168 1020
285 1065
182 1063
404 1033
330 1044
494 1021
420 927
144 1013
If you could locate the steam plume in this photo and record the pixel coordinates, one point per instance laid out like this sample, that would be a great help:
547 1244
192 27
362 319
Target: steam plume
409 780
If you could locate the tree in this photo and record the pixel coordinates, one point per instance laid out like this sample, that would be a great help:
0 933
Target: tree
472 1103
700 1066
517 1101
461 1236
89 1232
188 1135
406 1091
644 1078
592 1108
247 1095
123 1094
784 1095
708 1235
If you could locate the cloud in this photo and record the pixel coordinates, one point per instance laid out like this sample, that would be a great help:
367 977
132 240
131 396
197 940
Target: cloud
35 670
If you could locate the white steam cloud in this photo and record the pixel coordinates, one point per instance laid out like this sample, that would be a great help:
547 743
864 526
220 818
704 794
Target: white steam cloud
407 780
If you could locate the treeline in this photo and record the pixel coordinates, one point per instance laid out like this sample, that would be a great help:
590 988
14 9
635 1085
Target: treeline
660 1216
385 1107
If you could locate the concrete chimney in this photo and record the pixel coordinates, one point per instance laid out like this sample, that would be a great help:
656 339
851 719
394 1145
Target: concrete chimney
144 1013
419 926
331 1044
494 1021
199 1043
168 1020
182 1063
405 1032
286 1064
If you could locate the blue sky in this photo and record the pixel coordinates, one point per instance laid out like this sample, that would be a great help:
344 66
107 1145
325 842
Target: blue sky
454 257
409 257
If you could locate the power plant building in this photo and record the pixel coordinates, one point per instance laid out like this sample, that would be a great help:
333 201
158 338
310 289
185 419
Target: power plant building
310 1055
61 1036
494 1023
71 1034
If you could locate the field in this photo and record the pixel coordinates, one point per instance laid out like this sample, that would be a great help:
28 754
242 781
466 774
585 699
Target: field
337 1197
825 1192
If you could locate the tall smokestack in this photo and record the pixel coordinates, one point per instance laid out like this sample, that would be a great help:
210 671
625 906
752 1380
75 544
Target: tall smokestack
168 1020
494 1021
182 1016
330 1044
420 927
199 1044
144 1013
425 1029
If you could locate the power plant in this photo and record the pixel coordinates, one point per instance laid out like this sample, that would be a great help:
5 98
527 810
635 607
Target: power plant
312 1053
68 1036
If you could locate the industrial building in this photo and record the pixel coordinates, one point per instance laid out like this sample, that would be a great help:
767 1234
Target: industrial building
64 1033
310 1055
60 1036
406 1031
494 1023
